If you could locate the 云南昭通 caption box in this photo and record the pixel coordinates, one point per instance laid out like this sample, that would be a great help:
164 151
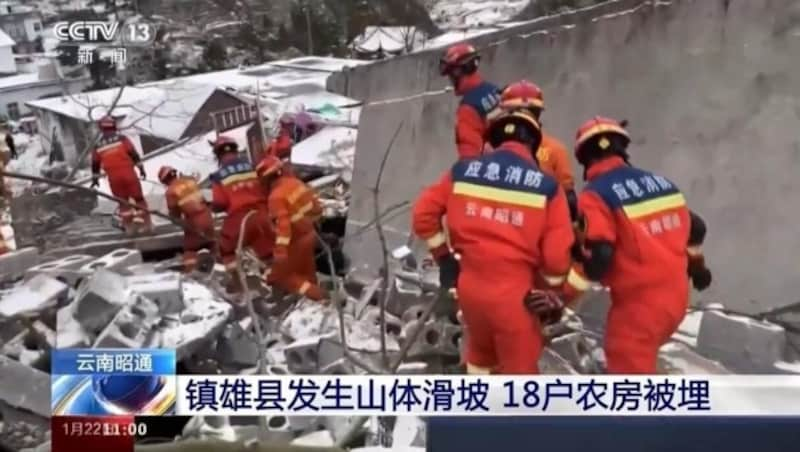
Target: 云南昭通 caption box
113 382
496 395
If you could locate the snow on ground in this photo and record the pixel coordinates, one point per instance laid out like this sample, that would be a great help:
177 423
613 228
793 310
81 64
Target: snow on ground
450 14
454 36
31 160
333 148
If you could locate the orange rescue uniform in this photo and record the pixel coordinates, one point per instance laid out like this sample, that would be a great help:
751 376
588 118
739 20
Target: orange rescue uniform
645 217
294 208
118 158
185 201
237 191
478 99
508 221
553 159
281 146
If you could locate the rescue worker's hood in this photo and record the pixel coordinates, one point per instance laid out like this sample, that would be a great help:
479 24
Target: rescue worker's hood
603 166
468 83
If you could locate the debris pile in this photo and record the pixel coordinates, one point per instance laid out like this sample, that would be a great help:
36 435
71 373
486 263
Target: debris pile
398 325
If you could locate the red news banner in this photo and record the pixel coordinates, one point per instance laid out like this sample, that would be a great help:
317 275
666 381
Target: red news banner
107 433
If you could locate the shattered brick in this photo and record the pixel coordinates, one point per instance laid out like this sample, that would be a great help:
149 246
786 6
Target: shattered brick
34 295
758 345
115 260
678 359
413 313
414 368
237 347
67 268
339 367
33 395
278 430
13 264
321 438
303 356
198 325
338 426
100 298
572 348
408 431
165 289
132 327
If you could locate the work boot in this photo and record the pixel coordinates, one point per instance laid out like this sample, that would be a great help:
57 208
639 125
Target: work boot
205 261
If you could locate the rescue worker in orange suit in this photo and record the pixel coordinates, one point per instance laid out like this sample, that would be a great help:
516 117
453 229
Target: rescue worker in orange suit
552 155
185 202
235 190
294 208
281 145
635 230
478 98
116 155
507 222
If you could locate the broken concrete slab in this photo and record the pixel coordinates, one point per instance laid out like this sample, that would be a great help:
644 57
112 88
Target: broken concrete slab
551 363
678 358
34 295
408 431
278 430
414 368
574 348
115 260
321 438
302 356
14 264
309 319
741 343
132 327
199 324
99 298
66 268
237 347
787 368
33 395
339 367
165 289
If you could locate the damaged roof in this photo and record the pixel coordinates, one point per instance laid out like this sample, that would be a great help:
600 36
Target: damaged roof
163 110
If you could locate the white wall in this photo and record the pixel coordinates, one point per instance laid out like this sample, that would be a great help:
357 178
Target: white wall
30 28
7 65
27 93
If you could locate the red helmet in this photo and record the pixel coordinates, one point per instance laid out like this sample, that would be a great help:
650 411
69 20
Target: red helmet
599 126
224 144
507 124
522 94
107 123
166 174
457 56
268 166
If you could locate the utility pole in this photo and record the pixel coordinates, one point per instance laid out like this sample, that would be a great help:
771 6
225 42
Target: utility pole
262 140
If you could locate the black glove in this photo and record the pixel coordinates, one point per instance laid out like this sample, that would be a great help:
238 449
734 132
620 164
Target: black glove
545 305
699 273
142 174
449 269
95 182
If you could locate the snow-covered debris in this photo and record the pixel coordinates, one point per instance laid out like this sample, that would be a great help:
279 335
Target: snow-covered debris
331 148
453 13
388 39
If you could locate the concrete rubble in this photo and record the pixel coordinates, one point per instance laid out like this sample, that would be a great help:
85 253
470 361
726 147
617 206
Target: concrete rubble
120 300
